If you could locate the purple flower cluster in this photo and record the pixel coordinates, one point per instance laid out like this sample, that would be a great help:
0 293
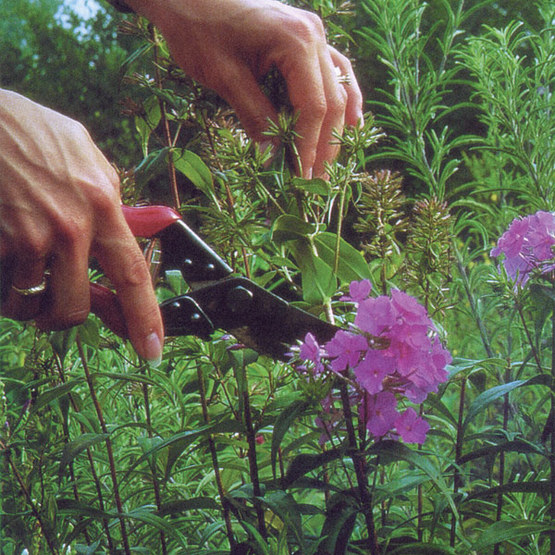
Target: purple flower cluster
395 353
527 245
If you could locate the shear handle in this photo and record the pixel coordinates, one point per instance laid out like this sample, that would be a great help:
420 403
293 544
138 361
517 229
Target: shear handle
182 249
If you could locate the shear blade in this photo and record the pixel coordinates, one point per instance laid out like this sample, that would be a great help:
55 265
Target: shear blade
259 319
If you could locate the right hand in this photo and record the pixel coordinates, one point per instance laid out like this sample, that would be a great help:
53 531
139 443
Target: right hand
60 203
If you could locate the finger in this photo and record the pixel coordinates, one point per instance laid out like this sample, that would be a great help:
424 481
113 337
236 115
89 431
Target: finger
354 108
26 274
306 92
67 301
336 100
238 86
123 263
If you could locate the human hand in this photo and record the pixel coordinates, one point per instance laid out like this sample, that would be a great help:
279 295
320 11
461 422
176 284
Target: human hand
230 45
59 202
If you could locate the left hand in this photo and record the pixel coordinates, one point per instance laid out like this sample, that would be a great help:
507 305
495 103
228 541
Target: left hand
229 45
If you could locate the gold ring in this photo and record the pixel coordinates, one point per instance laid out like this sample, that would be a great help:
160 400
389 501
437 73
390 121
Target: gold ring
35 289
344 79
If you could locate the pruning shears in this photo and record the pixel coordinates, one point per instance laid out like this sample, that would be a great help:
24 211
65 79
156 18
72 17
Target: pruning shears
218 299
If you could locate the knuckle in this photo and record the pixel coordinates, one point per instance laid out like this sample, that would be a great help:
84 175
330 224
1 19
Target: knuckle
63 318
308 28
319 108
134 274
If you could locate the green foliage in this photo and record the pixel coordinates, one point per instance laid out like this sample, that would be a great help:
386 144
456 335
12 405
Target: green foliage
219 450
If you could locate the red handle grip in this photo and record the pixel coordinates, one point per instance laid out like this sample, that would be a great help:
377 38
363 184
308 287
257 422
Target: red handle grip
144 221
147 221
105 304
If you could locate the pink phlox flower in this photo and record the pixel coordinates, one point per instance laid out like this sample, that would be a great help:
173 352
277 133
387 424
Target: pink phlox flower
311 351
381 413
358 291
372 370
411 427
375 316
345 349
409 309
526 245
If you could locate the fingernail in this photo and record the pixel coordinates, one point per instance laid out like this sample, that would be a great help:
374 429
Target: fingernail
153 350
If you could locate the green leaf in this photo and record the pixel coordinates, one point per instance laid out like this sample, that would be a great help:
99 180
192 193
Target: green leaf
194 169
62 341
54 393
508 530
283 505
541 487
352 264
341 513
318 281
184 439
305 462
487 397
316 186
73 448
390 451
422 549
517 445
284 421
150 165
192 504
290 228
145 125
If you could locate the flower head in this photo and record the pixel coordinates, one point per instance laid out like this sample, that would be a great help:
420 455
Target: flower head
358 291
409 362
345 349
411 427
311 351
527 245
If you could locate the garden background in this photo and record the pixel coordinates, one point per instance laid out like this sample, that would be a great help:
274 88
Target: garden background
219 450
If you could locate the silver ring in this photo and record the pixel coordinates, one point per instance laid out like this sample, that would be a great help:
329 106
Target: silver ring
35 289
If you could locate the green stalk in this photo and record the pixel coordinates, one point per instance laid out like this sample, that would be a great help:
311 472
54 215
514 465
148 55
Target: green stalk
94 475
253 462
34 509
458 454
480 323
109 450
215 464
155 481
501 478
165 123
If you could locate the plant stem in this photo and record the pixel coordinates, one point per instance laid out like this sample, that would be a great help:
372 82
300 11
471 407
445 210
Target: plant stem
473 307
501 479
253 463
529 336
29 499
153 469
165 123
94 475
109 450
458 454
215 465
360 466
